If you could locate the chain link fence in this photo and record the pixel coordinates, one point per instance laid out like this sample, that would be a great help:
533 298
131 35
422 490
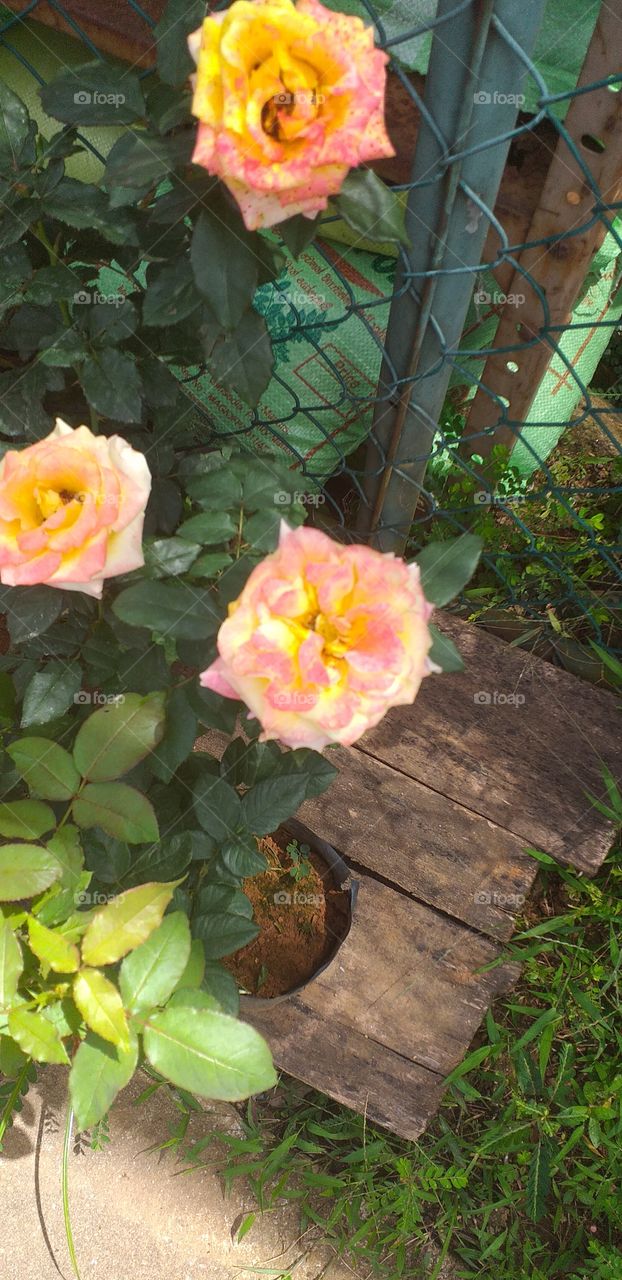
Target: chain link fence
471 382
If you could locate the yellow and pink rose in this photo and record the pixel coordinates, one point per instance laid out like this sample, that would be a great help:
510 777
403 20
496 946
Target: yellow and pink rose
323 640
72 509
290 97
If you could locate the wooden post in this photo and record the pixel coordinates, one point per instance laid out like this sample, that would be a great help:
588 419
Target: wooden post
550 276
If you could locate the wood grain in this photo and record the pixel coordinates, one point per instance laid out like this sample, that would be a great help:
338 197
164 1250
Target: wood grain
349 1067
451 858
526 767
410 979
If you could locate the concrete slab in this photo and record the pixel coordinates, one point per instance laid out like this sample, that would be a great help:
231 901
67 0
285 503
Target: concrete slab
133 1216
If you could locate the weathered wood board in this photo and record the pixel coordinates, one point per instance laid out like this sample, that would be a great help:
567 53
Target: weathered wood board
524 765
434 810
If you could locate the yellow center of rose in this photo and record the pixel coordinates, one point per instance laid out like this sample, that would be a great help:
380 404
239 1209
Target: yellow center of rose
49 500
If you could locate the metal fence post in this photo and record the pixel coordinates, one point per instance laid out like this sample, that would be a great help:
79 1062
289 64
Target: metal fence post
472 96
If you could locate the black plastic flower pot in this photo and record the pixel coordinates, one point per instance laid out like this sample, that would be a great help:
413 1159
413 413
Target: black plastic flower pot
341 878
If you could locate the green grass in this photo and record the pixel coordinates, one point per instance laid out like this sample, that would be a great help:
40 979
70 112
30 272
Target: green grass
520 1175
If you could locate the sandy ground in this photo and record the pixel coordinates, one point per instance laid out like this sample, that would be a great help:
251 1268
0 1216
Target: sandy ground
133 1217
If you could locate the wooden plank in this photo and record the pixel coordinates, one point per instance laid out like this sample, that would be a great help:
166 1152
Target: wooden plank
526 767
113 26
409 978
442 853
349 1067
565 236
447 856
393 1013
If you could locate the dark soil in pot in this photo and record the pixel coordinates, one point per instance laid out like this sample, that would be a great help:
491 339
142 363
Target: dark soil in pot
303 919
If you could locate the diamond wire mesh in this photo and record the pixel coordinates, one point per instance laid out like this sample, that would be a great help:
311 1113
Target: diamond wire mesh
549 509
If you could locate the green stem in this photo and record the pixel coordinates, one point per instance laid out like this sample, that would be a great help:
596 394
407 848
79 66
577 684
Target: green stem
240 528
65 1189
42 235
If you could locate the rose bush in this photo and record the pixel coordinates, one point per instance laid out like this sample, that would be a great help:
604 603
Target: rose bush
72 508
323 640
289 99
122 545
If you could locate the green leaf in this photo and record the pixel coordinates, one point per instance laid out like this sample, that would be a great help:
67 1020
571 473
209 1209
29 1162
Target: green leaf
52 284
125 922
297 233
209 1053
27 819
52 948
138 159
179 736
242 858
14 128
12 1060
221 984
168 860
25 870
107 858
225 269
221 935
11 963
315 768
443 651
50 693
214 898
45 767
120 734
95 93
180 19
171 294
98 1073
217 806
119 810
219 490
150 974
193 998
269 803
538 1180
170 609
110 323
169 557
30 611
208 528
192 975
112 385
36 1036
213 710
82 205
66 848
101 1006
7 699
446 567
371 208
242 361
